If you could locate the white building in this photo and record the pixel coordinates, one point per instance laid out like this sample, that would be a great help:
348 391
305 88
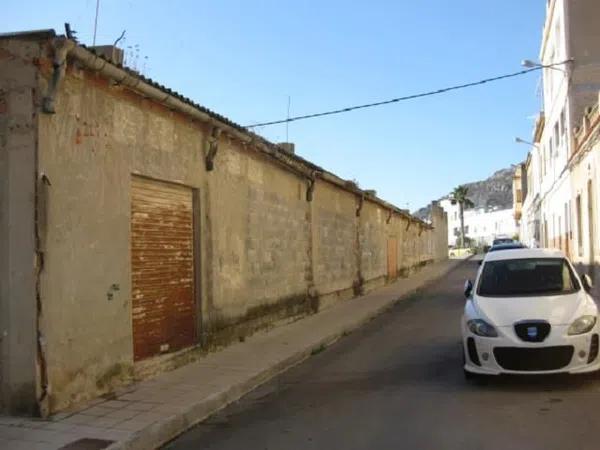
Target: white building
570 33
584 174
480 225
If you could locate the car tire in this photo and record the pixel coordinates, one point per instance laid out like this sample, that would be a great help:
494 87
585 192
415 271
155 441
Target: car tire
470 376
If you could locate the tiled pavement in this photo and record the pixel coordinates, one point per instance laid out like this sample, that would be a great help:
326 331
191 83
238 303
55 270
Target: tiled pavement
149 413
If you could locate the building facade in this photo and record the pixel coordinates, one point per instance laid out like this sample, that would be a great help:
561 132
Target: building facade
570 41
584 173
139 229
482 225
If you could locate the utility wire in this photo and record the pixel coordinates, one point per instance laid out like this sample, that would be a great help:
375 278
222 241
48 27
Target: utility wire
407 97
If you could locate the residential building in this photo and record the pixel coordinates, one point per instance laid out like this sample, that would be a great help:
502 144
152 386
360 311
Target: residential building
530 218
482 225
570 35
584 170
519 188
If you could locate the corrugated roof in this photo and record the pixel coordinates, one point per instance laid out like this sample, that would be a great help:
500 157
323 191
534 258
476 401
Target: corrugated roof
29 34
204 109
50 33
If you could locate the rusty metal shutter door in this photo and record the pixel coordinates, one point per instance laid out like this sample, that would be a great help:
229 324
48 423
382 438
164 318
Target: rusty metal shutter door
162 267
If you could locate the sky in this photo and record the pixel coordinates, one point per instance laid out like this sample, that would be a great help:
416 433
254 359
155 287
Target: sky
244 59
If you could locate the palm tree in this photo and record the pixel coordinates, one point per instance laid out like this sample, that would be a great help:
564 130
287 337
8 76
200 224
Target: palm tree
459 195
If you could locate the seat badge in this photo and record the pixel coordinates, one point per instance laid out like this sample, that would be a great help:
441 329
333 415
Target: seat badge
532 332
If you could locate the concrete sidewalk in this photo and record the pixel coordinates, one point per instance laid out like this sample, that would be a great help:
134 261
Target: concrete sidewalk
149 413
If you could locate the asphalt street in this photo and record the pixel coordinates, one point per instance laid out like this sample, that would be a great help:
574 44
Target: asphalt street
398 383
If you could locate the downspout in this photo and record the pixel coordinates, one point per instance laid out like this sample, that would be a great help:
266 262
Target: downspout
41 194
62 47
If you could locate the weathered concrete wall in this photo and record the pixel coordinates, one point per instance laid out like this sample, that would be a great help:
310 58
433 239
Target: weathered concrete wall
18 311
334 227
373 235
264 252
439 220
259 240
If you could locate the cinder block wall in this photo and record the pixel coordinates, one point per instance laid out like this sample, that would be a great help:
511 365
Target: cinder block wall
266 254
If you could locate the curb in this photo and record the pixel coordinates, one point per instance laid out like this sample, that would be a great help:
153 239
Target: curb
162 432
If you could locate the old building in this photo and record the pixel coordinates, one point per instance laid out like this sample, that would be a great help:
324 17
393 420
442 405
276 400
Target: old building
530 217
139 229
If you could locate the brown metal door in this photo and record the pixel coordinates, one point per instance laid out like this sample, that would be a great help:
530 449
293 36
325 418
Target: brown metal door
392 257
162 267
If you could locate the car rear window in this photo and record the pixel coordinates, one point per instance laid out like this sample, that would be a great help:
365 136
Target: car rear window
523 277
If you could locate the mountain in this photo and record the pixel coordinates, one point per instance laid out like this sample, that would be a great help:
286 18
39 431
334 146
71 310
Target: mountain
494 192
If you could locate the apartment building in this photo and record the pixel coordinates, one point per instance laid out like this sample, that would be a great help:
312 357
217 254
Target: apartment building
481 225
570 49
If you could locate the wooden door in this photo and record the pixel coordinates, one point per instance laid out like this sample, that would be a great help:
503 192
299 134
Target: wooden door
392 258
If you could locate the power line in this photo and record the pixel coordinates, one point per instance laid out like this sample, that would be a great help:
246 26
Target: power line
407 97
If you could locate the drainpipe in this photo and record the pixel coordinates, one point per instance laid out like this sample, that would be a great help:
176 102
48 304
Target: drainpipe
62 47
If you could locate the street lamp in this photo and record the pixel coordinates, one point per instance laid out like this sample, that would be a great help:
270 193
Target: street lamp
518 140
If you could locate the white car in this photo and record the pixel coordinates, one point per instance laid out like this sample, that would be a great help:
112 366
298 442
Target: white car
529 313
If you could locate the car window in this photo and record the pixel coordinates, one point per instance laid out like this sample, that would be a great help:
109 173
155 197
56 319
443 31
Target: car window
522 277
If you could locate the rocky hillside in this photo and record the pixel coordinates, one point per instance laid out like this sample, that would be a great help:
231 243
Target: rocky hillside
494 192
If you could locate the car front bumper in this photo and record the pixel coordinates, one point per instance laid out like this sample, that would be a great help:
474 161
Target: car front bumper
500 355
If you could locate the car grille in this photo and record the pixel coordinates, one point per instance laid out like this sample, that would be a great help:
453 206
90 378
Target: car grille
534 359
593 349
473 356
532 330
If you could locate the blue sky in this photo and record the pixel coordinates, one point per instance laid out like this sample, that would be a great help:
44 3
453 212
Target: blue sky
244 58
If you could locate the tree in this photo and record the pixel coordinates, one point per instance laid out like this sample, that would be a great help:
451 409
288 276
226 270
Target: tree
459 195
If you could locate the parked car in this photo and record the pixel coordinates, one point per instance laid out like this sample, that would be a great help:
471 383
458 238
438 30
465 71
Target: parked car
502 240
529 313
506 246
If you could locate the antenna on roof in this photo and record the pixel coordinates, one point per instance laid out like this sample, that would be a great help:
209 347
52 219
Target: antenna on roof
96 21
287 123
119 38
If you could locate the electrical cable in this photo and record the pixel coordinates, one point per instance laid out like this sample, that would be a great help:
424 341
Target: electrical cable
407 97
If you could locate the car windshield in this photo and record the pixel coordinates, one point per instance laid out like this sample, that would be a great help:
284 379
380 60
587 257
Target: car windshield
523 277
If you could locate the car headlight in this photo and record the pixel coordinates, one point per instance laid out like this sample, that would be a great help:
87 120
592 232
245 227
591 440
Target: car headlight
582 325
482 328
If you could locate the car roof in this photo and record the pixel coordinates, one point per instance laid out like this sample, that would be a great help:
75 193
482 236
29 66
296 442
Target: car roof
524 253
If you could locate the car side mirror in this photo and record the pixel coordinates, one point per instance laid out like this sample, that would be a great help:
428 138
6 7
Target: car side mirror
468 288
587 283
480 262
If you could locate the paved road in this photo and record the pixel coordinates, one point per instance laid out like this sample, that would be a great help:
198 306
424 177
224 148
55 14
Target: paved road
398 383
